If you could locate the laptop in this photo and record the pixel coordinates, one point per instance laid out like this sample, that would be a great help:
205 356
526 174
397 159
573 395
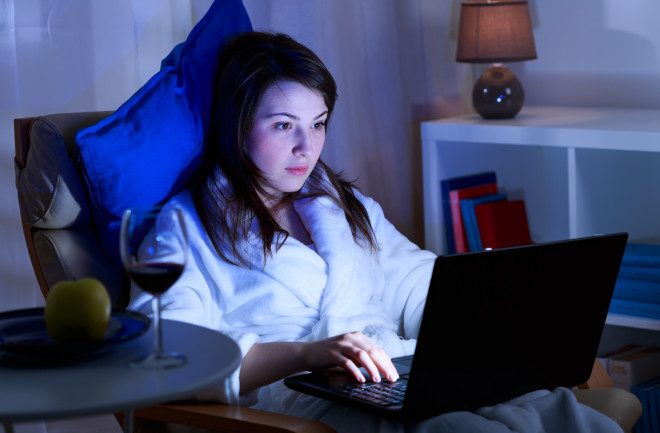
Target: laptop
497 324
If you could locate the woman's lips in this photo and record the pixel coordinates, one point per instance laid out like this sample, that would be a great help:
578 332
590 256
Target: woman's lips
297 171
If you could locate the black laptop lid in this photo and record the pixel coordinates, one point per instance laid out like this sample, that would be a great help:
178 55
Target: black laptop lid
501 323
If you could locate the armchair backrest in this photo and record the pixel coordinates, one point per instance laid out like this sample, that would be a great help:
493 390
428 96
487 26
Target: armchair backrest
57 223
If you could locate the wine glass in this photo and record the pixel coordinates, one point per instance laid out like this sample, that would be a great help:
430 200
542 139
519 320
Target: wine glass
154 246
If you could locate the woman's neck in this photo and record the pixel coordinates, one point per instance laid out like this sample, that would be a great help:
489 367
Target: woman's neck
286 216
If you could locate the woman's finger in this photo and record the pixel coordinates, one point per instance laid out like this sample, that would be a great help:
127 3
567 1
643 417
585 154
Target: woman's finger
354 370
368 363
372 357
385 365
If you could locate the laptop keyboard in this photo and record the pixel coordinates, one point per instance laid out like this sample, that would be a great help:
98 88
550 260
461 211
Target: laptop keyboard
381 393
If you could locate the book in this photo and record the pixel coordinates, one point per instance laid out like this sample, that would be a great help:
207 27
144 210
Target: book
637 290
644 391
635 308
652 408
455 197
634 368
646 273
502 224
454 183
641 255
641 426
470 220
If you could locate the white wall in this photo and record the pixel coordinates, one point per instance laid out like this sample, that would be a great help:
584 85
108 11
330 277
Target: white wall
595 53
71 55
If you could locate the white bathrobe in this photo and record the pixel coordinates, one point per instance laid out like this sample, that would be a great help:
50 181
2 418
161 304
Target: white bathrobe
305 293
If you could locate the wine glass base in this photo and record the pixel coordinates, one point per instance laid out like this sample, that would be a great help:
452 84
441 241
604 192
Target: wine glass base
160 362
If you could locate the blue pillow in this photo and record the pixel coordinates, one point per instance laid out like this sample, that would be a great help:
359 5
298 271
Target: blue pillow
144 152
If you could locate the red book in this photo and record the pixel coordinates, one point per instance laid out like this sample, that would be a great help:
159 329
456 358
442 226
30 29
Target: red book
503 224
455 197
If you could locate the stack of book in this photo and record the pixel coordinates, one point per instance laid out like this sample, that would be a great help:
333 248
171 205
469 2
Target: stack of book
637 290
477 216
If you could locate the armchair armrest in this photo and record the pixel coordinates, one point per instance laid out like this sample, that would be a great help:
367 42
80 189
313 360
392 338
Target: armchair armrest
229 419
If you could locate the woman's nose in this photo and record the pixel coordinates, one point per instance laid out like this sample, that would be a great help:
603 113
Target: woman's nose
303 143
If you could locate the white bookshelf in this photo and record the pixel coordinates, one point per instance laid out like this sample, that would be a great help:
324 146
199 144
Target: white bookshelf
581 171
633 322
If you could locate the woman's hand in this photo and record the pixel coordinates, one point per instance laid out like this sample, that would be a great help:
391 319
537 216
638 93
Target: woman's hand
350 352
267 362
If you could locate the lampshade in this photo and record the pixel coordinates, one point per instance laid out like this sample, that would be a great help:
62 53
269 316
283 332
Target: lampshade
496 31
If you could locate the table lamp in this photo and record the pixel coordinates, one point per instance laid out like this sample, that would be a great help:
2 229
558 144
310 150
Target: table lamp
496 31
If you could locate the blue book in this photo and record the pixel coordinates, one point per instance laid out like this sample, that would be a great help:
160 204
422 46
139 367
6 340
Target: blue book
470 219
646 273
637 290
652 390
635 308
640 392
455 183
644 391
641 255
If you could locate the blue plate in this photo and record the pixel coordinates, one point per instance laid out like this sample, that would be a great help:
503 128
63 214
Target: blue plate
23 334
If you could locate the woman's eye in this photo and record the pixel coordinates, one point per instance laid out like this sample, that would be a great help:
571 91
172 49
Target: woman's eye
283 126
319 125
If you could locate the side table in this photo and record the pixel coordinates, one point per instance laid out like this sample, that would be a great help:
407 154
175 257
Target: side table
106 383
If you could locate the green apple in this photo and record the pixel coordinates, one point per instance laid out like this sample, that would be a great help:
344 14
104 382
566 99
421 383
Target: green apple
77 311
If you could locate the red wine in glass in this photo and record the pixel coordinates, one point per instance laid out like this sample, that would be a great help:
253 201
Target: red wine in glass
155 278
153 245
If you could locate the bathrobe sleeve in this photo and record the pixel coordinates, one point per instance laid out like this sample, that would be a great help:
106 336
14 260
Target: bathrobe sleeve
407 270
196 298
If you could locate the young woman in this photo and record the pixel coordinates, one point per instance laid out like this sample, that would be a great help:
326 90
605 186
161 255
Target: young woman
290 259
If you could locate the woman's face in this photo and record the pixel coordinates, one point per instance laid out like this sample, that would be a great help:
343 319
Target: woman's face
287 136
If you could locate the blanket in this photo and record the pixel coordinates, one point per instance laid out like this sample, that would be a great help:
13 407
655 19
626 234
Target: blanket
539 411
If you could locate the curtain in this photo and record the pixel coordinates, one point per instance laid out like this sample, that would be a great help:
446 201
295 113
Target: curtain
63 56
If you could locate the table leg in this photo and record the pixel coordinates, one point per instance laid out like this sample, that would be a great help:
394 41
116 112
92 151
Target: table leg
128 421
9 428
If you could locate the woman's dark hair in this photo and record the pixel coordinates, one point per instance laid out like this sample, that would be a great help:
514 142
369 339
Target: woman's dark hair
247 66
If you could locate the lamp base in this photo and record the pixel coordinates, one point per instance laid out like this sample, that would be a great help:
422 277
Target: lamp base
498 94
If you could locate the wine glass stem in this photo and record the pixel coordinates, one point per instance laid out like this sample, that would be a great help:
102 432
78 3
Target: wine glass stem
158 333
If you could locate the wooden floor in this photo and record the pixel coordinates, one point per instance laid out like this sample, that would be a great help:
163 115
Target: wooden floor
94 424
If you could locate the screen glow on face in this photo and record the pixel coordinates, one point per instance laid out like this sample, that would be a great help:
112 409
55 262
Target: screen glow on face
287 136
